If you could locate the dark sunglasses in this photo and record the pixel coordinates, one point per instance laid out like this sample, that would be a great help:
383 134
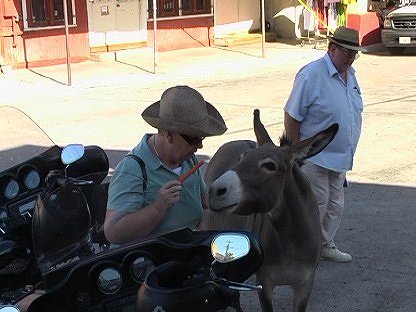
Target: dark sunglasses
349 54
194 141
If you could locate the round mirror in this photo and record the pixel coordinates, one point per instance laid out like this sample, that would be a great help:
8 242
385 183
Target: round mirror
109 281
9 309
71 153
228 247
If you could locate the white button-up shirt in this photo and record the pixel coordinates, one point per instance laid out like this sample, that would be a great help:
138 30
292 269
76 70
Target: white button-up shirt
319 98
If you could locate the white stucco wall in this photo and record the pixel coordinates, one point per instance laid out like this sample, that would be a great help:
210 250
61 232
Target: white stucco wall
236 16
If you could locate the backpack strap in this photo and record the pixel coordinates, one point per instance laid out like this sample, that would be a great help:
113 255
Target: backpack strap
142 167
194 161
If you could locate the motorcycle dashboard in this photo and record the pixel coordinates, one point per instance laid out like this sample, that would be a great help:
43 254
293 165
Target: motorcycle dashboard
26 155
109 281
20 185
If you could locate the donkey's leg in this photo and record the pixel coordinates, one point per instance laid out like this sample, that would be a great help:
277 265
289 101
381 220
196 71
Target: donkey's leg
266 294
301 294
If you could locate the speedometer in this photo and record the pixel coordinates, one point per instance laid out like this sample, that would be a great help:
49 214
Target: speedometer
32 179
109 281
11 189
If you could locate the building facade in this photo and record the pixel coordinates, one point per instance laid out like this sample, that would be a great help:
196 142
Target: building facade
33 32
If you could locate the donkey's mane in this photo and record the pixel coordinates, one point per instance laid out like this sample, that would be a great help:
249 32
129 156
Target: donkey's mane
285 141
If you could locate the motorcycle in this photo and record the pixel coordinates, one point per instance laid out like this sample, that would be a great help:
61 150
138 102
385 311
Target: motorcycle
54 256
30 164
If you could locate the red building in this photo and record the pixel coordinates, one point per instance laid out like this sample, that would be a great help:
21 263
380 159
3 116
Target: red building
33 31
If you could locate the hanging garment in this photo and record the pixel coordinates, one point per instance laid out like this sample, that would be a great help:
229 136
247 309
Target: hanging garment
308 17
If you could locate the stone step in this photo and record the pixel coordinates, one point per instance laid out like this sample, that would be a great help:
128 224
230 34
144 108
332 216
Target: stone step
230 40
115 55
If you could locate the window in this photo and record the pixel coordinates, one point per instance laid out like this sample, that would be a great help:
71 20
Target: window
167 8
196 7
46 13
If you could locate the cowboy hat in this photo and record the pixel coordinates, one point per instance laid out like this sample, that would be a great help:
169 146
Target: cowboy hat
347 38
183 110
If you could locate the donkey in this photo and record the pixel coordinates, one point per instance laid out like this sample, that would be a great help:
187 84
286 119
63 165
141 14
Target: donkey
260 188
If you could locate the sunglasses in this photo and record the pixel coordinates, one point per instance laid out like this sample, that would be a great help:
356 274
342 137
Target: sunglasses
194 141
349 54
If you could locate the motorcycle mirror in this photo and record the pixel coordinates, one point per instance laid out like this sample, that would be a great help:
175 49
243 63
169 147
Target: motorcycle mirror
71 153
228 247
9 309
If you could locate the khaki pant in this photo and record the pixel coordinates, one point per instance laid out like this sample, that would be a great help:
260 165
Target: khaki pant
328 188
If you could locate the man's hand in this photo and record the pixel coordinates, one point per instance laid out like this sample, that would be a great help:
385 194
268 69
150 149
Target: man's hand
168 195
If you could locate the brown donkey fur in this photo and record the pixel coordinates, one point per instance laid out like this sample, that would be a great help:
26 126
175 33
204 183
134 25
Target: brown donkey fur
260 188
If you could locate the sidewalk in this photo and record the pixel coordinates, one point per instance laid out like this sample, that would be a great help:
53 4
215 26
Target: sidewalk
136 66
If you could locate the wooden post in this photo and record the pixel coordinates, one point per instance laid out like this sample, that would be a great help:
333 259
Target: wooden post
68 55
154 36
263 30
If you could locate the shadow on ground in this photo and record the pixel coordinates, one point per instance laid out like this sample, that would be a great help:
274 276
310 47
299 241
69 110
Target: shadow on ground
378 229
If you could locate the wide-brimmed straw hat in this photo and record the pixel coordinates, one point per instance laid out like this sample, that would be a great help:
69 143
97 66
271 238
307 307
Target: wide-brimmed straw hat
347 38
183 110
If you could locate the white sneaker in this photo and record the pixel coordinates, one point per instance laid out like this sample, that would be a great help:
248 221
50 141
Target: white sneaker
335 255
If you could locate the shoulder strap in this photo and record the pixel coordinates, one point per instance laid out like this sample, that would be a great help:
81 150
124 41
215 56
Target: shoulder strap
194 160
142 167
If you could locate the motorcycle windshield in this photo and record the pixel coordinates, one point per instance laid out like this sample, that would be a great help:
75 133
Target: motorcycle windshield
21 138
67 221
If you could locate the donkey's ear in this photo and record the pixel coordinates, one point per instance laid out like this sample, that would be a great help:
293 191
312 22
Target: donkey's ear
312 146
259 130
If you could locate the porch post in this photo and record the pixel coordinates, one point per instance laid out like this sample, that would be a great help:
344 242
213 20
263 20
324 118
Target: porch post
154 35
214 12
68 56
263 30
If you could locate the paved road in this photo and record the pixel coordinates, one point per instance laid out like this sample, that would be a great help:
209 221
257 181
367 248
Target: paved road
104 104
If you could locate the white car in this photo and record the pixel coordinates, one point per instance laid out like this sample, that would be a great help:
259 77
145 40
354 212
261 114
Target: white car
399 30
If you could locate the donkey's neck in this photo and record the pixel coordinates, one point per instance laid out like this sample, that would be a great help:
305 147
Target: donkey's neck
294 215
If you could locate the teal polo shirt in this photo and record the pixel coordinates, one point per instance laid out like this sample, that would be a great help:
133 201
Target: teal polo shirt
125 193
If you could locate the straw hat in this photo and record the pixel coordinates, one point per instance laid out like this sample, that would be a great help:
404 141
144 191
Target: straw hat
347 38
183 110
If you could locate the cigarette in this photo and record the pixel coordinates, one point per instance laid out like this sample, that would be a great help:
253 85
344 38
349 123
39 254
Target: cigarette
191 171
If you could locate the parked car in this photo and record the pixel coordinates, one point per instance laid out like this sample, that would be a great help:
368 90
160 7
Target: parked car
399 28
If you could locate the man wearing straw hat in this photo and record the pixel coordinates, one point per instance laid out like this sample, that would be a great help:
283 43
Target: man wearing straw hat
324 92
145 196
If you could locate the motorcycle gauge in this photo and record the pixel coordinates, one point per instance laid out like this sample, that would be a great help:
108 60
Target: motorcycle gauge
3 216
140 267
109 281
32 179
11 189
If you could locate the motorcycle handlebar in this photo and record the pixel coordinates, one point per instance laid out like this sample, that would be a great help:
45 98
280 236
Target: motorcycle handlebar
238 286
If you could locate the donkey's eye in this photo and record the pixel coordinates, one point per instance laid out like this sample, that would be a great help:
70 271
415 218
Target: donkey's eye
268 165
